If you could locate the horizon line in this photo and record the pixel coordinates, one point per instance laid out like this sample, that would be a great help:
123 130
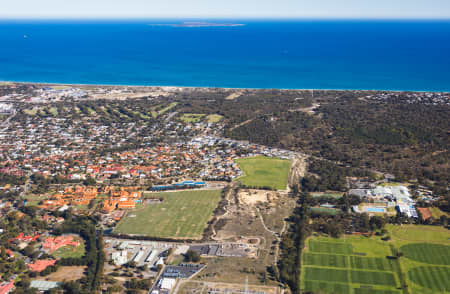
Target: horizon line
287 18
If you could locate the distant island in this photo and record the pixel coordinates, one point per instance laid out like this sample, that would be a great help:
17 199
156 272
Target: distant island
199 25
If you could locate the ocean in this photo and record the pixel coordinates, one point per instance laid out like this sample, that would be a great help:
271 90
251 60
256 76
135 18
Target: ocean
289 54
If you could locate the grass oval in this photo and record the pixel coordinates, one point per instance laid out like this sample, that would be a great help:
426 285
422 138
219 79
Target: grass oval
427 253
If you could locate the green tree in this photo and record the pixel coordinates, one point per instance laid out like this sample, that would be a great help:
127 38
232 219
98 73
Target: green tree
192 256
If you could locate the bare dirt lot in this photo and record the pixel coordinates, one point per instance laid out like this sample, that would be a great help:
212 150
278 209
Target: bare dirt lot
252 216
66 273
198 287
298 169
252 196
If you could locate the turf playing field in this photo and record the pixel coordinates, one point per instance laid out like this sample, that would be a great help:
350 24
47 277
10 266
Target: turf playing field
261 171
436 278
373 277
426 260
427 253
182 214
328 260
424 263
354 264
371 263
326 274
368 290
418 233
330 247
326 287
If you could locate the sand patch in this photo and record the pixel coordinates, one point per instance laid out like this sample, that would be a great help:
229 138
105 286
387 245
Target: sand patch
252 197
233 96
66 273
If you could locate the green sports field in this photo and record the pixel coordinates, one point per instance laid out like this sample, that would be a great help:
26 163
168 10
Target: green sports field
416 233
354 264
434 278
426 257
328 260
427 253
182 214
360 265
261 171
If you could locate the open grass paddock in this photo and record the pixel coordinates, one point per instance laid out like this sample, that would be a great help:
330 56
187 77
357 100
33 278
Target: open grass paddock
182 214
261 171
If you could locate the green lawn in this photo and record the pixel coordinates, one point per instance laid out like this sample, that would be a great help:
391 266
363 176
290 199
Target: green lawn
191 117
161 109
371 263
330 211
31 111
369 290
53 111
328 260
326 287
436 278
426 261
197 117
167 108
214 118
182 214
427 253
373 277
424 266
326 274
436 213
261 171
33 200
420 233
353 264
70 251
330 247
330 195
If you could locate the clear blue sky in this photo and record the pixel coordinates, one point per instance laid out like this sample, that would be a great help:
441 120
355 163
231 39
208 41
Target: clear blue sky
225 8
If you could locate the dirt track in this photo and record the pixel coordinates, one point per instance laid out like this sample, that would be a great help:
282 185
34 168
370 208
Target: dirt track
298 169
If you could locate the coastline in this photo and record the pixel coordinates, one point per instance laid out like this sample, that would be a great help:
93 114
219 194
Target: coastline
217 87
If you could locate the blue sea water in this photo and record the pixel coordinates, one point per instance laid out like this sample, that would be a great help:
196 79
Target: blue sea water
304 54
